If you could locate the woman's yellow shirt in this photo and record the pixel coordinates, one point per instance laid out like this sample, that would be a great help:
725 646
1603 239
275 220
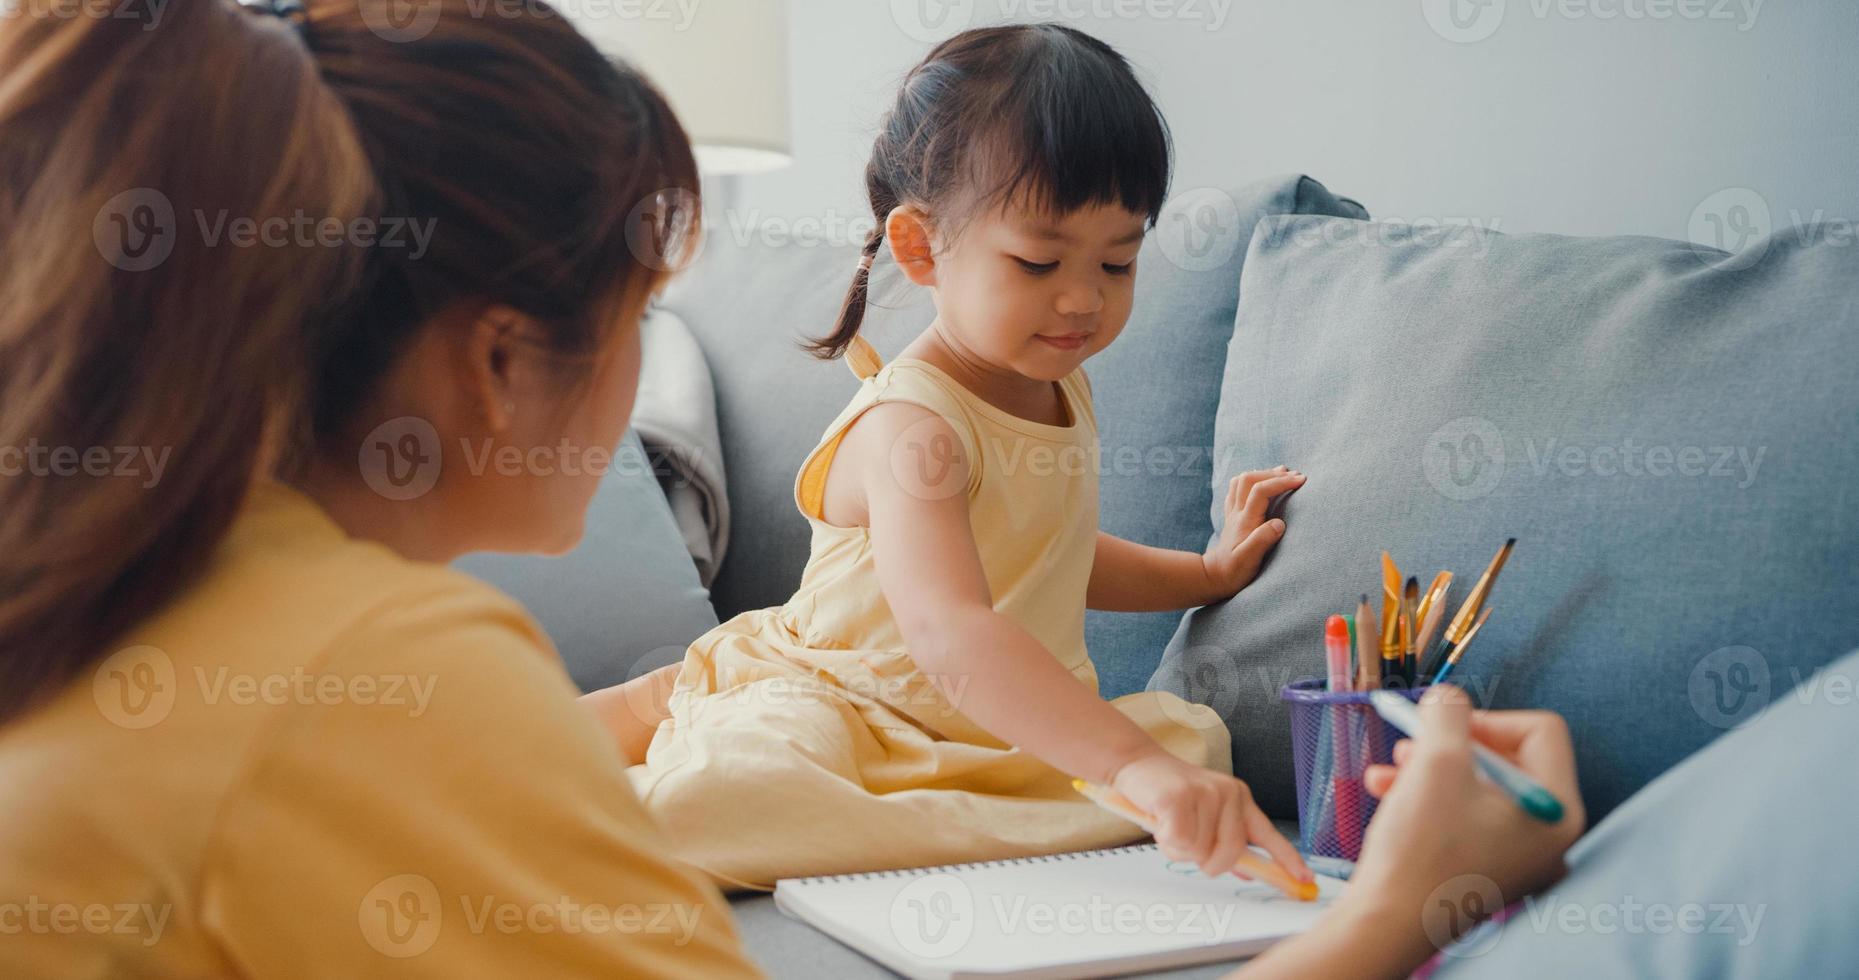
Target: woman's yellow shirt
327 760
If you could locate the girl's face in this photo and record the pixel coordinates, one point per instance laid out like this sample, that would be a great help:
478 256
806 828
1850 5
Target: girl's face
1038 293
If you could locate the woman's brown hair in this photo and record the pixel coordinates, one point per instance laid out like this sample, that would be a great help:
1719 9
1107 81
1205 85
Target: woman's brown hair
552 180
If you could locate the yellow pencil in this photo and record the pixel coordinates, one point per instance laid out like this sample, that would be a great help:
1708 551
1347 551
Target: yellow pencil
1261 868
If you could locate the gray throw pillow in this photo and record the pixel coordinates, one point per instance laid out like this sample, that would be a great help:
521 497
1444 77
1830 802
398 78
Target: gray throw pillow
1669 431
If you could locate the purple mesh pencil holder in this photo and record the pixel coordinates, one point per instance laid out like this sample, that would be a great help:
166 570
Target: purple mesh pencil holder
1334 738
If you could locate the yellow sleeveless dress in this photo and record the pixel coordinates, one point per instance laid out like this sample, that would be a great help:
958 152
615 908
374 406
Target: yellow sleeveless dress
803 740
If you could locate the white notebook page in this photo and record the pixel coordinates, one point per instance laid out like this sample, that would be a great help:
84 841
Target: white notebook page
1094 913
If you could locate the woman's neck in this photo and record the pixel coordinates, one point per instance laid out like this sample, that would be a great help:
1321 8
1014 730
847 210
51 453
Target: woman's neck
415 529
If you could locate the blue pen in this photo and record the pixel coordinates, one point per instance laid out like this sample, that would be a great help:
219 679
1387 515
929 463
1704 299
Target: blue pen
1529 794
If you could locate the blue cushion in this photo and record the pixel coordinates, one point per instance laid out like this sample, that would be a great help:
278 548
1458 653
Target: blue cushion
1734 865
1156 388
1668 431
627 598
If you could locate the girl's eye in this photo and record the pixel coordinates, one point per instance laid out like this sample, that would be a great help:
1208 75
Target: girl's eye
1036 268
1119 270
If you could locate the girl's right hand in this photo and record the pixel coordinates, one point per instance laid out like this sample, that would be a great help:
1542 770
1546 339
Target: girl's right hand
1202 816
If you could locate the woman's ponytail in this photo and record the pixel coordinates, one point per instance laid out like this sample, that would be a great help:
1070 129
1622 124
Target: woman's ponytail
149 349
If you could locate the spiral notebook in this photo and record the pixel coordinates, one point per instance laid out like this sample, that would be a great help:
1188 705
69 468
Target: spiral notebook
1086 914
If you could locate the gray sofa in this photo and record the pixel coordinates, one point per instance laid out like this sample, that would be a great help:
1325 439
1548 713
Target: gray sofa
1193 401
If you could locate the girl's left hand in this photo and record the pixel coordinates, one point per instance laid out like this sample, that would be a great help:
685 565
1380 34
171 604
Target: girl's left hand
1233 560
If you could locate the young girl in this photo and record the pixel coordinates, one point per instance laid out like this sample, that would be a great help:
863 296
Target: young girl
925 697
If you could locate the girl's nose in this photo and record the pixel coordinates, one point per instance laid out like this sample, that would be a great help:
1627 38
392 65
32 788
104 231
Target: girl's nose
1080 300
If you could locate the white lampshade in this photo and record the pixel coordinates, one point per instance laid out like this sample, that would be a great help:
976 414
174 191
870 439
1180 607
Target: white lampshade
723 64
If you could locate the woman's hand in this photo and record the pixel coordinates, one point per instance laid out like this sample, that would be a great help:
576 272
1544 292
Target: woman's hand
1448 848
1232 561
1202 816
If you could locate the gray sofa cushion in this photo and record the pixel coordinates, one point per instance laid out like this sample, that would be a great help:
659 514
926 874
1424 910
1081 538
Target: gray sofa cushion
1748 884
1670 435
627 597
754 293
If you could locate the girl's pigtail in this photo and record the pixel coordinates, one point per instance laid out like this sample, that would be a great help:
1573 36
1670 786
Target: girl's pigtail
852 311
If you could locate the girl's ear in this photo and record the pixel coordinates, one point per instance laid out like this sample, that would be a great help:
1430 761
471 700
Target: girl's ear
908 230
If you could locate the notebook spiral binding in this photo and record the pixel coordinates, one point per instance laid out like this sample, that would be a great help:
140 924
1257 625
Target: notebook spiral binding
969 866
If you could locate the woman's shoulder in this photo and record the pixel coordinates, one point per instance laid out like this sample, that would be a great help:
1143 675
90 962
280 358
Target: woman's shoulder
287 573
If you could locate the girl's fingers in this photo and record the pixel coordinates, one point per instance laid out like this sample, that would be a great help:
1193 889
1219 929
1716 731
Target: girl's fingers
1168 835
1378 779
1259 827
1259 497
1263 538
1240 487
1403 750
1230 841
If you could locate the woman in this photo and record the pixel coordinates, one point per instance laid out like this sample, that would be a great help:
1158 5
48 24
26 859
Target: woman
254 727
250 724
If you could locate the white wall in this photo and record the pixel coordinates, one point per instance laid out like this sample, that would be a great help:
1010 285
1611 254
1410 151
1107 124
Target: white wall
1563 119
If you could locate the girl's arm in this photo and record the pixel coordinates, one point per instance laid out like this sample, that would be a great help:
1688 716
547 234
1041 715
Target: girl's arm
1131 577
931 573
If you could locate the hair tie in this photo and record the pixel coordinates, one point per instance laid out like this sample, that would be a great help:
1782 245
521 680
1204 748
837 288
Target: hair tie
864 261
290 10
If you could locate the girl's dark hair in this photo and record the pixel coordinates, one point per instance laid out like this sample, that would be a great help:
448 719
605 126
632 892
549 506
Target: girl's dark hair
554 181
1039 113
